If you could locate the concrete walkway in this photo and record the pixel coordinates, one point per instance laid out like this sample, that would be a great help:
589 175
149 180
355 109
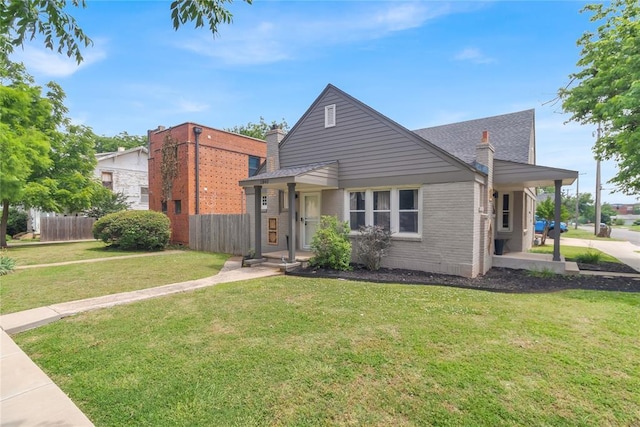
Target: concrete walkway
28 397
623 250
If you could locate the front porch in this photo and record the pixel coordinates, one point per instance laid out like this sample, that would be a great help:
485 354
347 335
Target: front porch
535 262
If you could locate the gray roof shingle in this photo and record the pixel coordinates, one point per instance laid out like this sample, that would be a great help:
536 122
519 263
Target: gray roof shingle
510 135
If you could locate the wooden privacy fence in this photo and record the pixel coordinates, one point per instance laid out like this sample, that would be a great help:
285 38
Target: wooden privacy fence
60 228
227 234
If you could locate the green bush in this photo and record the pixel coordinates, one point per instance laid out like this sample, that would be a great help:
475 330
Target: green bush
636 222
17 222
331 245
134 230
372 245
619 221
7 265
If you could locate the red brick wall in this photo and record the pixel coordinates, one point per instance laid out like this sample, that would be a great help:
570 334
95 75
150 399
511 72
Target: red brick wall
223 161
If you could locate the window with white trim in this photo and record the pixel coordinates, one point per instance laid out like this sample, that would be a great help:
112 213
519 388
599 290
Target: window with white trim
357 209
396 209
144 194
264 202
382 209
505 211
408 211
330 116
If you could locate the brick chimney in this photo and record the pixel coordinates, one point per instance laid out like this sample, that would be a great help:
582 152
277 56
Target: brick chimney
273 137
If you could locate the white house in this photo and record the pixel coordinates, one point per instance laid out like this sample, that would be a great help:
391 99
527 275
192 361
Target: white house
126 171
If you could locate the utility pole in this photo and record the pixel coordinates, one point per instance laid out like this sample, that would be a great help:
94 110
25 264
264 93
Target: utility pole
598 188
575 226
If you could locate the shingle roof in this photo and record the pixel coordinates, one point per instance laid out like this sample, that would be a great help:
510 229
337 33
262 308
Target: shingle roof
510 135
290 172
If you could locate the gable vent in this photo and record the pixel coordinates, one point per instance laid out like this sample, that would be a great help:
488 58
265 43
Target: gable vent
330 116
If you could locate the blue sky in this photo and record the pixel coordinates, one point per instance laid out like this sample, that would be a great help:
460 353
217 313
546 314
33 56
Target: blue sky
420 63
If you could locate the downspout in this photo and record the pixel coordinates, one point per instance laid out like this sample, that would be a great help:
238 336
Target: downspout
197 131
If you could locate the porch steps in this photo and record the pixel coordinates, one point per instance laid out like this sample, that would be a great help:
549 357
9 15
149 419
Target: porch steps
276 260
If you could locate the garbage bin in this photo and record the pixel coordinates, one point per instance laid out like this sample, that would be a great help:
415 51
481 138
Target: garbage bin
499 246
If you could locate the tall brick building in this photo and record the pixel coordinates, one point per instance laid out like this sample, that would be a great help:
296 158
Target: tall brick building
221 160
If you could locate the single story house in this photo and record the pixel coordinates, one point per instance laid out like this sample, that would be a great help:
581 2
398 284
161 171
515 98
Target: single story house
446 193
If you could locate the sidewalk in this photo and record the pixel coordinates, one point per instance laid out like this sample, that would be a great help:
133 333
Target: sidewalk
622 250
28 397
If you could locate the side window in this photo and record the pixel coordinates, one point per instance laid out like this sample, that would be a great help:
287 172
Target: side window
504 212
144 194
254 164
177 206
107 180
408 211
356 209
264 202
382 209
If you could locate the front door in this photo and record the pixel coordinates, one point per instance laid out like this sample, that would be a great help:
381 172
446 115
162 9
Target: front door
310 218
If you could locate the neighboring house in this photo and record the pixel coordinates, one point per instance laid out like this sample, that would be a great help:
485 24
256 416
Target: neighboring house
122 171
201 168
446 193
126 172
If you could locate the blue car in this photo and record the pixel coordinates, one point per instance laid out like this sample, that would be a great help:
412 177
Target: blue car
540 223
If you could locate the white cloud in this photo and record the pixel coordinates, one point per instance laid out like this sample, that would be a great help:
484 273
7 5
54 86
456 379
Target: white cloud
47 63
186 106
473 55
285 37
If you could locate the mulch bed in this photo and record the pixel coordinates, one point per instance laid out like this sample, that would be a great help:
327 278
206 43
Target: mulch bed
496 279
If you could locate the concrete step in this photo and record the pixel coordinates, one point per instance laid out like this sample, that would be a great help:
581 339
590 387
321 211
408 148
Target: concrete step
286 266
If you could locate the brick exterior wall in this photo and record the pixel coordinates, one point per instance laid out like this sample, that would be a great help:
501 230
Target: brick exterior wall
223 161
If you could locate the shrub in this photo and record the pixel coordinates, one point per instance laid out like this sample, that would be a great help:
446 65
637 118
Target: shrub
544 273
372 244
17 222
619 221
331 244
7 265
636 222
589 257
134 230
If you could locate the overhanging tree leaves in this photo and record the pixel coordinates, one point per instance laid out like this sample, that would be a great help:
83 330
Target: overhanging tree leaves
41 166
22 20
258 130
607 92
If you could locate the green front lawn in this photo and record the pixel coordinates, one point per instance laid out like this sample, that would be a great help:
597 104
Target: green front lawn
61 252
37 287
572 252
311 352
582 234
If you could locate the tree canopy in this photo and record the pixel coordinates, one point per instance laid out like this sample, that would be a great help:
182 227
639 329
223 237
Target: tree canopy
44 161
107 144
258 130
22 20
607 89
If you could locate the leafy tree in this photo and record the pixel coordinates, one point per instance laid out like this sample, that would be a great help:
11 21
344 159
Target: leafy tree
606 212
25 19
607 92
105 201
40 165
546 210
107 144
258 130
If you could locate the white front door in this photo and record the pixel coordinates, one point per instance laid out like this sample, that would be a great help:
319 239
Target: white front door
310 218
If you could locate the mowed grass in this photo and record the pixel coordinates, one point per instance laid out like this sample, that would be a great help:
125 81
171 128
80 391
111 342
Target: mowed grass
289 351
573 252
583 234
37 287
62 252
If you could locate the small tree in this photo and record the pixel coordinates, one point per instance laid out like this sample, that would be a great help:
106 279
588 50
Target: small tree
372 245
331 244
105 201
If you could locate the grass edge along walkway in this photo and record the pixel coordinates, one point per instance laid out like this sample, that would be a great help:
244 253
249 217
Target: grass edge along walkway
83 261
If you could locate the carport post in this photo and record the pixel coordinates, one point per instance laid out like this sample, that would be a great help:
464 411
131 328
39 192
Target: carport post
291 188
257 209
556 227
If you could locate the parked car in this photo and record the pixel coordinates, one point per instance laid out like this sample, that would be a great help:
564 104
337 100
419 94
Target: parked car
540 224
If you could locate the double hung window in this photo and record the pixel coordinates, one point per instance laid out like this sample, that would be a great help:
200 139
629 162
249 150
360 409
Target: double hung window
395 209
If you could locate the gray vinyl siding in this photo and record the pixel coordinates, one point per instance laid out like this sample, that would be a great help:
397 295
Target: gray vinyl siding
365 144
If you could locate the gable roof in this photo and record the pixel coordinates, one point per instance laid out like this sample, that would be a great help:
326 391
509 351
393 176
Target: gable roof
510 135
113 154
